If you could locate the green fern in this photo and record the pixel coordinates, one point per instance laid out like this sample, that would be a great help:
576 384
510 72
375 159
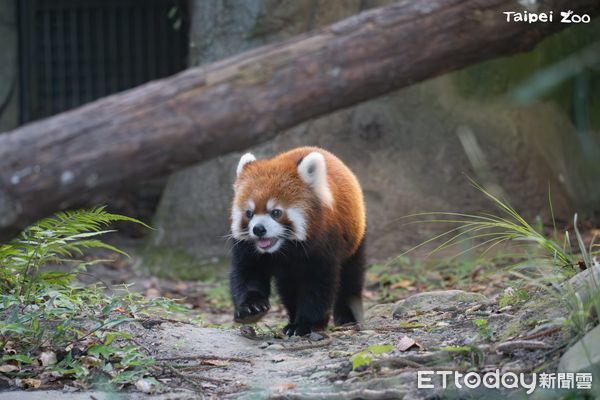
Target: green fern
44 309
54 239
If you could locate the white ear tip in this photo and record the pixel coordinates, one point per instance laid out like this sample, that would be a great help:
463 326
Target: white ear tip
315 155
311 162
313 171
246 159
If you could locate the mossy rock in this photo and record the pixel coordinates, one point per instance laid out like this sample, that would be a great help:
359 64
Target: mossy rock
583 356
442 300
539 306
170 263
378 312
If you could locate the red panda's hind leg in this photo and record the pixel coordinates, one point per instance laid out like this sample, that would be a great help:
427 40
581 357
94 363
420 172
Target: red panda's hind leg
313 289
348 302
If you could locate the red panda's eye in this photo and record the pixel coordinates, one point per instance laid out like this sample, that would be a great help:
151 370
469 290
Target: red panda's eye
276 213
249 214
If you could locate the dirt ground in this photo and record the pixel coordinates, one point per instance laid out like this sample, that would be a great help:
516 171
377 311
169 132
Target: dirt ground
440 316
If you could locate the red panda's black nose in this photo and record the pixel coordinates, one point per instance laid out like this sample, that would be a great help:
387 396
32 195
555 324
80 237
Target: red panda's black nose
259 230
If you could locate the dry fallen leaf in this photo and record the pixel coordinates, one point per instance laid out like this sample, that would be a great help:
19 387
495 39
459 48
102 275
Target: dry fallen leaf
478 288
8 348
285 386
31 383
181 286
8 368
475 272
216 363
48 358
403 284
152 293
89 361
406 343
144 385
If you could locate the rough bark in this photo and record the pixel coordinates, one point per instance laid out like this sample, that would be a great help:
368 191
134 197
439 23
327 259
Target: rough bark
229 105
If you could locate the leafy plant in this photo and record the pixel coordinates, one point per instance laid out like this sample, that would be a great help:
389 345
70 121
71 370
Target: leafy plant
475 354
217 294
51 325
411 325
483 328
365 357
512 295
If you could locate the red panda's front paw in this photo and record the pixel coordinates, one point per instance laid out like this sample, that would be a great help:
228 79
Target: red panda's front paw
250 312
297 329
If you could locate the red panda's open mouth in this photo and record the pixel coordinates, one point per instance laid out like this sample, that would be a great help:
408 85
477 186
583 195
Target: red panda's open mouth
265 244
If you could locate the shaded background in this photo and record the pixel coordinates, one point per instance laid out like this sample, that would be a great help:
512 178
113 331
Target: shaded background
518 125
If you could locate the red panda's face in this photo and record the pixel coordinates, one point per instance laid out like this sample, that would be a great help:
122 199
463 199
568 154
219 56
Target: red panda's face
272 204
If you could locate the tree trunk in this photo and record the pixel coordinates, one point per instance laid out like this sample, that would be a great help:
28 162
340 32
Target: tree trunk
60 162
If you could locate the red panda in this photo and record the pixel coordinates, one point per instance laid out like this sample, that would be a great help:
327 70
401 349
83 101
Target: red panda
298 218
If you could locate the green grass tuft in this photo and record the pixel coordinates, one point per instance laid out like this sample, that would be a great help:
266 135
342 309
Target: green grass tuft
492 230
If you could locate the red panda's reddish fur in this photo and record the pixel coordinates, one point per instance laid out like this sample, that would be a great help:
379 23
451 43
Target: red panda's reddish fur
317 275
277 178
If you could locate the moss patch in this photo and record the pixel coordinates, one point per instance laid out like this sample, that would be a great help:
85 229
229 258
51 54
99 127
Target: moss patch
540 306
170 263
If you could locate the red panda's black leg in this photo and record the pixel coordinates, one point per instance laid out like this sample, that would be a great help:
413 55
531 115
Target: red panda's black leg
250 286
315 295
348 302
287 287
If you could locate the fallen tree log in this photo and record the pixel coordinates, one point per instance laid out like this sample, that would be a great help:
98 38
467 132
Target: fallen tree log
60 162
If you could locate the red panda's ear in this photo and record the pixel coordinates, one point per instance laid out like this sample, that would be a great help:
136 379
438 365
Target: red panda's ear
245 160
313 171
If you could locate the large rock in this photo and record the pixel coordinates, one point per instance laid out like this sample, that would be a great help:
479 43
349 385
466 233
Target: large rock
586 284
438 300
583 356
411 150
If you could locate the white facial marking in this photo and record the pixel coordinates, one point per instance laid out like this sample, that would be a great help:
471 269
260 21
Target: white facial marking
270 204
274 230
236 223
296 215
313 171
244 160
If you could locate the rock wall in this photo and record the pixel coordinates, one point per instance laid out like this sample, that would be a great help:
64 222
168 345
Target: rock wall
411 150
8 66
